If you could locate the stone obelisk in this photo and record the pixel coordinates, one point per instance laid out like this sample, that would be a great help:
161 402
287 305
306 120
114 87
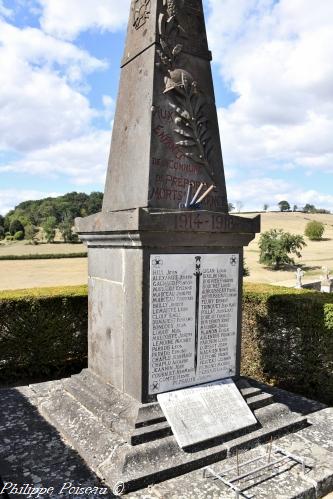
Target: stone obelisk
165 275
165 131
165 213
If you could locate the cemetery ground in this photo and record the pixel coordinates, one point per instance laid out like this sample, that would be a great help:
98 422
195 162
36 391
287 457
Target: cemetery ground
20 274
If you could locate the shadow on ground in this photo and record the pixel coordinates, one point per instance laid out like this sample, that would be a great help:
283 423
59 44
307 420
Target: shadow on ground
32 451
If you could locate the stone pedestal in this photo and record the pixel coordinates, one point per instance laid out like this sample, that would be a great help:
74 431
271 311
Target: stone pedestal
120 249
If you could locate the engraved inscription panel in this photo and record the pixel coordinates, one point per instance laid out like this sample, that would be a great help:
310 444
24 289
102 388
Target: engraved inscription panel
204 412
193 319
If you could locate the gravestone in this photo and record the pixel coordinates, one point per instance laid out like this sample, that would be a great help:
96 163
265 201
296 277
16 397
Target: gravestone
299 275
326 285
165 270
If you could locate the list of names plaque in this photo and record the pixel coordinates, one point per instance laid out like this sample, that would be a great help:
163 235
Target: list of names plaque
193 319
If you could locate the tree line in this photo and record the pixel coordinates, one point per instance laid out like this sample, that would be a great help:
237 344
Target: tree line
49 214
308 208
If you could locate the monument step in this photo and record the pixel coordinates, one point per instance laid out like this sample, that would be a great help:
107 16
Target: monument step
273 413
97 387
149 433
149 414
160 460
249 392
111 455
116 413
258 401
81 428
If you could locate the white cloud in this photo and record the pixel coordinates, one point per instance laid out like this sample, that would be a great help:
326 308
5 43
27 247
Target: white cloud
67 18
9 198
82 161
276 58
257 191
109 107
4 11
40 103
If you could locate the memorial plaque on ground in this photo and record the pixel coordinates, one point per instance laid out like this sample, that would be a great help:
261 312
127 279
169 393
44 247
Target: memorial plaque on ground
205 412
193 319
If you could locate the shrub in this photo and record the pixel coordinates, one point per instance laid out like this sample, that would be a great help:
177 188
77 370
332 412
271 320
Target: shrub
288 339
276 247
314 230
19 235
44 256
287 336
42 331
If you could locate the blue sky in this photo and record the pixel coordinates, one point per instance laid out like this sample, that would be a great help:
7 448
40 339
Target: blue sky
273 82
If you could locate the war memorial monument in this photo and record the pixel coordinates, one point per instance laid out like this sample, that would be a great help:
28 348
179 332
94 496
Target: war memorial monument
162 395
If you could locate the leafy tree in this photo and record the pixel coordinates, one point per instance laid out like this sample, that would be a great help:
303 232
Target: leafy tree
2 227
30 232
295 208
15 226
309 208
49 227
95 203
231 207
276 246
66 229
284 206
314 230
266 206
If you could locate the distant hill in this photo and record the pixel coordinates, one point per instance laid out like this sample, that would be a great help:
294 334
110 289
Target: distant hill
58 211
71 205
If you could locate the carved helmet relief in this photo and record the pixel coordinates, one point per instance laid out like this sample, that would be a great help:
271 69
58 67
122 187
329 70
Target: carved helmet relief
141 13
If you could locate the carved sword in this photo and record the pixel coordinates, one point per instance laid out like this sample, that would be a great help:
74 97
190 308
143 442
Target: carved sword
198 275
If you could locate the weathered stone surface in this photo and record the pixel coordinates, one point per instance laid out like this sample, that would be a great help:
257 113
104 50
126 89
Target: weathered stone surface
179 221
165 134
105 337
206 412
107 264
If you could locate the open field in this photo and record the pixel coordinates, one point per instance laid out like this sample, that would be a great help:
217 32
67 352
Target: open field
19 248
315 255
20 274
39 273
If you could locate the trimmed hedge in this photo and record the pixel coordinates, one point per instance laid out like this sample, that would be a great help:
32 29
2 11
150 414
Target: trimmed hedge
288 339
287 336
44 256
43 332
